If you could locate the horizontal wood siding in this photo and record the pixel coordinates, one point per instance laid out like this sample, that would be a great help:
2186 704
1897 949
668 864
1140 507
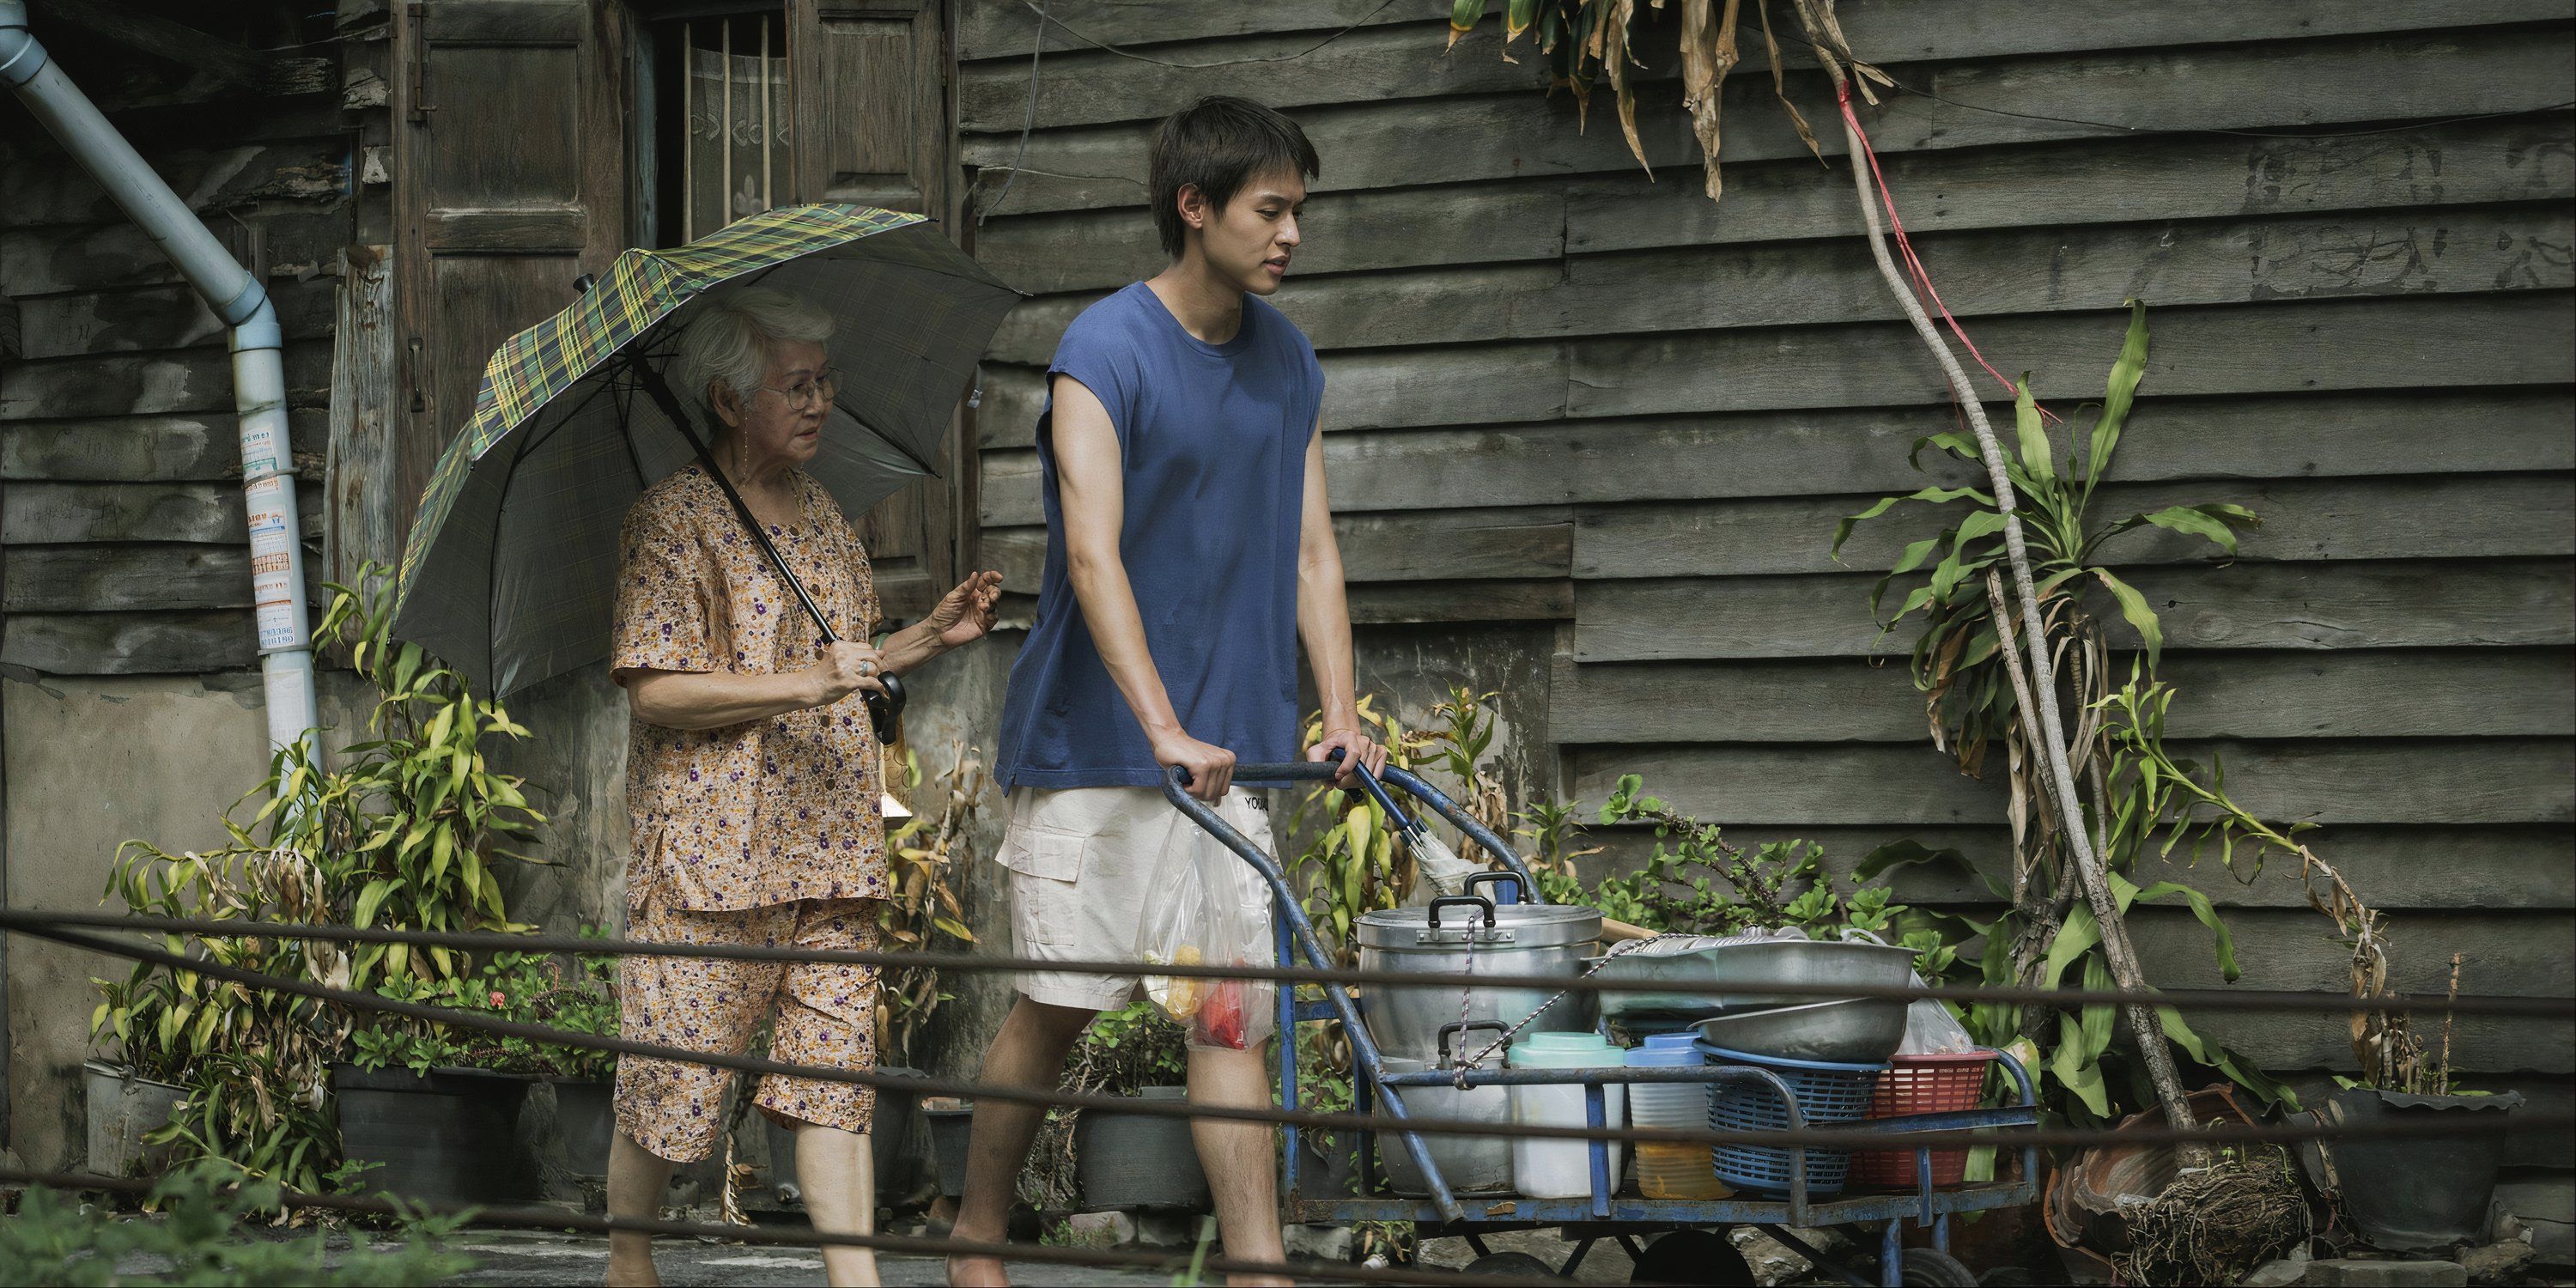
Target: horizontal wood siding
1562 389
121 528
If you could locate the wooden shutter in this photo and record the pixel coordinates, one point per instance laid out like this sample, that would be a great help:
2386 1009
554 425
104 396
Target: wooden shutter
510 178
869 79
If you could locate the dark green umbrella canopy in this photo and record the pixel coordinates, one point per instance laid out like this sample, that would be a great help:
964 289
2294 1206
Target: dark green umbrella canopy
510 571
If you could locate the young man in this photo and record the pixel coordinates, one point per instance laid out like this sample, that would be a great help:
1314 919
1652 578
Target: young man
1189 549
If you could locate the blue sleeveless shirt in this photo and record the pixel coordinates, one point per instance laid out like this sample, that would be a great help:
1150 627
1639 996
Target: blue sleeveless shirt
1213 439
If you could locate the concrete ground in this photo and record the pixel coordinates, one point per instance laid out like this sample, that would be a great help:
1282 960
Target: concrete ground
553 1257
546 1258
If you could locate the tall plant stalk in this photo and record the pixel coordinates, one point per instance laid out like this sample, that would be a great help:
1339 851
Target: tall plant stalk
1825 35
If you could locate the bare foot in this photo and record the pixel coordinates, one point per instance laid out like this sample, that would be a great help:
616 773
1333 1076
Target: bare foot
632 1273
977 1272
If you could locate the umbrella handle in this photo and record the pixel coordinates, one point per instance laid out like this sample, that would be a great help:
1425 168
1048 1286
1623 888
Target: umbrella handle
884 708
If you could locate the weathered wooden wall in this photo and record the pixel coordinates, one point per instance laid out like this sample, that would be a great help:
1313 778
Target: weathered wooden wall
124 539
127 652
1562 393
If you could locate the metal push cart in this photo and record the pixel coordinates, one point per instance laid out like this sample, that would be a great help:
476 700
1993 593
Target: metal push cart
1603 1213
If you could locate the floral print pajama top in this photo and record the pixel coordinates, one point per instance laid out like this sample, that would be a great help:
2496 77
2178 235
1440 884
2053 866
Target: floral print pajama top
765 832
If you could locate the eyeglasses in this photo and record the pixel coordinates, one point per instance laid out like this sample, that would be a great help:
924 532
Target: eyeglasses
804 394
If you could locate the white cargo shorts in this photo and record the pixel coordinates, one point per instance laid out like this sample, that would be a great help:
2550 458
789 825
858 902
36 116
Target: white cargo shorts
1085 863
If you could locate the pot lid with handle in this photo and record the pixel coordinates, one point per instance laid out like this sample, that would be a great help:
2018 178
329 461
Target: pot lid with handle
1453 921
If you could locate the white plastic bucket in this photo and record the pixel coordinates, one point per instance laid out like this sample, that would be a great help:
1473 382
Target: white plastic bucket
1558 1169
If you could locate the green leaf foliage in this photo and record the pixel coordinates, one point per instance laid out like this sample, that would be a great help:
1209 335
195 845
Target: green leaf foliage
2152 806
398 834
208 1231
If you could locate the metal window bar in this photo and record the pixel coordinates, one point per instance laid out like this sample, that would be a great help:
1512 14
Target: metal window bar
688 136
724 186
768 133
739 110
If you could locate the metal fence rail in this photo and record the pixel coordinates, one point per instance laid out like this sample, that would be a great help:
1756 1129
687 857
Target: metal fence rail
72 929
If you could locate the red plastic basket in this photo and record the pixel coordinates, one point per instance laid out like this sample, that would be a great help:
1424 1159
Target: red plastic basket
1921 1084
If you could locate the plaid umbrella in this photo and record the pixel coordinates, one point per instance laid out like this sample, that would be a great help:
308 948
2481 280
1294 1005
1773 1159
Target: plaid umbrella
510 572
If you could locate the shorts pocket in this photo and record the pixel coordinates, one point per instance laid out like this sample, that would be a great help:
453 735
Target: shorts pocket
1056 856
1046 864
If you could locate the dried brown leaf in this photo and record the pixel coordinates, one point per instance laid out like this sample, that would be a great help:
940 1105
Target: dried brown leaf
1780 84
1621 13
1708 54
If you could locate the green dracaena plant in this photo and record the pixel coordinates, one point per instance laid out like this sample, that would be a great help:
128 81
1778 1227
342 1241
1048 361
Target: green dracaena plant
1960 662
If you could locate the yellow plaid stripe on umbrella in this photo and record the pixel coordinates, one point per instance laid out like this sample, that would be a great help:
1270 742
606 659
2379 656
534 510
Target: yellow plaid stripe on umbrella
508 574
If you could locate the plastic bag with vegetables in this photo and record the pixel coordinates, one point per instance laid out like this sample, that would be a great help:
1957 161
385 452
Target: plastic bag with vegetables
1216 914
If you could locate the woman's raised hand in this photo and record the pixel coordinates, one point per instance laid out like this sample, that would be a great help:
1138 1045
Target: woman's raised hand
845 668
966 613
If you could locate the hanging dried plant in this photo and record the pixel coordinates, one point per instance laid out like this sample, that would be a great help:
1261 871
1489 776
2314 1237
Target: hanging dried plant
1587 41
1707 56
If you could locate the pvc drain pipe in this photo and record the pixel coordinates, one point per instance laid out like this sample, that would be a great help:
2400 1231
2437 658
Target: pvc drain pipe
259 372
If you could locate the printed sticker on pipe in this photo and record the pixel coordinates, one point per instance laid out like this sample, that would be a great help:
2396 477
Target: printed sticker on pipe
259 450
268 502
274 592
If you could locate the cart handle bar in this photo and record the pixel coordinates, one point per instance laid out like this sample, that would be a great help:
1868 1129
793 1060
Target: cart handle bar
1176 782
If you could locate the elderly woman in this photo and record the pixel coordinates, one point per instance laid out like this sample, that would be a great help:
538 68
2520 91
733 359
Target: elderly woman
752 778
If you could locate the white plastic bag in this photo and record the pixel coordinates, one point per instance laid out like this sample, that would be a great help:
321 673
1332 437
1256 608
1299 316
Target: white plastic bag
1930 1029
1216 914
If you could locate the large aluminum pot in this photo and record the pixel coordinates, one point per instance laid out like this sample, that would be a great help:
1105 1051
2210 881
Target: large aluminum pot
1468 933
1470 1164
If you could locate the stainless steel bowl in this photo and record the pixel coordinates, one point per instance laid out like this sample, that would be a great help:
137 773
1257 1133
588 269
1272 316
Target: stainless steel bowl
1857 1030
1747 971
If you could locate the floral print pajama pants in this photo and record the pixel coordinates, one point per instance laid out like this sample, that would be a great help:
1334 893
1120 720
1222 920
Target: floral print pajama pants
825 1015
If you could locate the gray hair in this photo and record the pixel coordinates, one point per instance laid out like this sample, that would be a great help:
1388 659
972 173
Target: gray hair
736 335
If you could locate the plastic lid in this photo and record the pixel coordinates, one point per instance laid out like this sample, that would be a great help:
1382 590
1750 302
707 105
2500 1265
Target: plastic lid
1678 1056
1562 1038
1563 1050
1685 1040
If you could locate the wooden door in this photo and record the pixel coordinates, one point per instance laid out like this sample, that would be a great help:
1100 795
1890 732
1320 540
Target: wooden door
510 182
872 128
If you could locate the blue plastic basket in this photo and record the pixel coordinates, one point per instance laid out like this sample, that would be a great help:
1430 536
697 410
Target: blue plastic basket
1826 1093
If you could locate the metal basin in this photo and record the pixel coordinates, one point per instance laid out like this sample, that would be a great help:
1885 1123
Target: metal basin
1747 975
1857 1030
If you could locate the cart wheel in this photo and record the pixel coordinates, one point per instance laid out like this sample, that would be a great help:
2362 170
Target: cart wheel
1693 1257
1509 1265
1934 1268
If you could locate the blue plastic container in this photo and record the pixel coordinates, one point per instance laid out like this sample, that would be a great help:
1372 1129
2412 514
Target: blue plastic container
1681 1105
1667 1169
1826 1093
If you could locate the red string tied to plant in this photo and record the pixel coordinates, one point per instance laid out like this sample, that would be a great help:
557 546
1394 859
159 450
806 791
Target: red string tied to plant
1905 246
